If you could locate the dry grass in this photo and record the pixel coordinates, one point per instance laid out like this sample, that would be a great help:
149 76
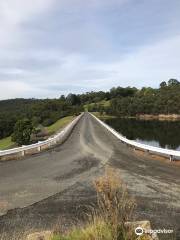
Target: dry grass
17 236
107 220
115 207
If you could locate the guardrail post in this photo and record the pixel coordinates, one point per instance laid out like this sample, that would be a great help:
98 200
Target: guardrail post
171 158
39 148
23 152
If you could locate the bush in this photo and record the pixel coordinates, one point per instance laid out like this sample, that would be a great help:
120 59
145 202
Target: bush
22 132
107 221
115 207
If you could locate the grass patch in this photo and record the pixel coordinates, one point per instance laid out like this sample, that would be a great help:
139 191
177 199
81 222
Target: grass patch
103 116
6 143
103 103
90 232
61 123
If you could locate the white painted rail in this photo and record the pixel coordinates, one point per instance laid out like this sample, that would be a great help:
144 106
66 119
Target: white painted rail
172 154
58 138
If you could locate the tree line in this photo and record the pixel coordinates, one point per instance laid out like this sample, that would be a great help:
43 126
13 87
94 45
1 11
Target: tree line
132 101
20 117
164 100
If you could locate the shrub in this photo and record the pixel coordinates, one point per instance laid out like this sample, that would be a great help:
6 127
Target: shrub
22 132
107 221
115 207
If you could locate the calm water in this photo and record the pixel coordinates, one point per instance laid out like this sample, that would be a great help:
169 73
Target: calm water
163 134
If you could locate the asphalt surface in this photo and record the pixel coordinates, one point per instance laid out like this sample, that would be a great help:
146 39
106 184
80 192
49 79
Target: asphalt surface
56 186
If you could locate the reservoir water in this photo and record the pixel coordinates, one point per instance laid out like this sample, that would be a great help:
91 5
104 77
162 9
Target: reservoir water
164 134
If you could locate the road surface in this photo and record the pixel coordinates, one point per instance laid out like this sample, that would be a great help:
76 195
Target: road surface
56 185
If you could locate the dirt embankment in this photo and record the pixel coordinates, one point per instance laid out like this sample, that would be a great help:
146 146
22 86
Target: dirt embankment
161 117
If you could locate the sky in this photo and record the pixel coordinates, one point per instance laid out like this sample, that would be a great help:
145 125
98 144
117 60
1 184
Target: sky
54 47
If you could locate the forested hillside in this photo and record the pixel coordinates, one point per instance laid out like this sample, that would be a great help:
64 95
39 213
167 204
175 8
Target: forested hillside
164 100
119 101
132 101
36 111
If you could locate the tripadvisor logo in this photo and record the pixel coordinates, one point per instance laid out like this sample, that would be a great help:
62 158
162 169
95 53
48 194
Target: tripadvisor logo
139 231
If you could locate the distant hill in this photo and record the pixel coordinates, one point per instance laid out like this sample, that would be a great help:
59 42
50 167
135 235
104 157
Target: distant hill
119 101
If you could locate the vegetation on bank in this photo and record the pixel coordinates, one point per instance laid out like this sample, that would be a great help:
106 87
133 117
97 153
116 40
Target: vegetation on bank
61 123
7 142
133 102
164 100
22 132
109 220
119 101
20 117
101 105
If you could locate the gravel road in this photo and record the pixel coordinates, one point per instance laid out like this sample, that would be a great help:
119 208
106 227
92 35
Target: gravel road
56 185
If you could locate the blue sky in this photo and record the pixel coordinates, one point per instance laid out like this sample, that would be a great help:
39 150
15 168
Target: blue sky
53 47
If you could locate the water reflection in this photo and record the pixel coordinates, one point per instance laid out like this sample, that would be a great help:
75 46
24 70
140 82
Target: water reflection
165 134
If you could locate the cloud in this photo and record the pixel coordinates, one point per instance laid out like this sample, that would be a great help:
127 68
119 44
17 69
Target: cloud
15 12
50 47
14 89
149 65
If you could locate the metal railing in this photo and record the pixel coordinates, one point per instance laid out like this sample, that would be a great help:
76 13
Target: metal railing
172 154
58 138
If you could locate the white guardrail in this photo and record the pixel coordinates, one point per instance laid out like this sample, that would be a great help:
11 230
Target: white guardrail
172 154
58 138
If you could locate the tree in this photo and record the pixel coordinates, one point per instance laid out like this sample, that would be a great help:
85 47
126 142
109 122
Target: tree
173 82
22 132
163 84
36 121
73 99
62 98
